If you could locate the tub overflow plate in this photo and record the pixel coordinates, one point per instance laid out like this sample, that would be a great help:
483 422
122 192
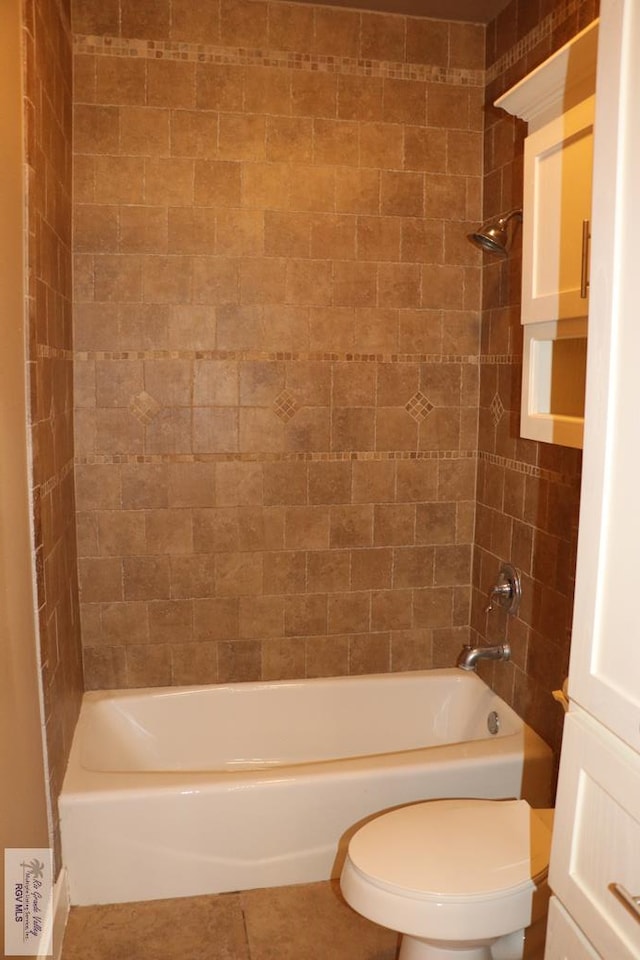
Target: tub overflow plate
493 722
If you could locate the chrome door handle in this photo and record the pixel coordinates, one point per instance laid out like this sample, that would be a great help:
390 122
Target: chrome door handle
584 269
626 899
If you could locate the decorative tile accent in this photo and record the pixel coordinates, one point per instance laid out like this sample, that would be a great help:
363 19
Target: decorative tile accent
55 481
497 359
45 351
339 456
529 470
497 409
418 407
285 406
312 63
278 356
535 36
144 407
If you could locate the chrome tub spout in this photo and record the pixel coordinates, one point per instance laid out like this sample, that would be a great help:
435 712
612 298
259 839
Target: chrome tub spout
469 655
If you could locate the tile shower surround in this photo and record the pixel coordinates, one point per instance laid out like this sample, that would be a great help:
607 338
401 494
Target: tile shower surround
527 493
47 46
277 335
272 279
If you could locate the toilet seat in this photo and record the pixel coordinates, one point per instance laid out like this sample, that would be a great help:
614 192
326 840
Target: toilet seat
442 867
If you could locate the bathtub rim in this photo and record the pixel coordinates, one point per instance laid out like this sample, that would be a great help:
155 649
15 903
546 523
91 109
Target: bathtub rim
82 782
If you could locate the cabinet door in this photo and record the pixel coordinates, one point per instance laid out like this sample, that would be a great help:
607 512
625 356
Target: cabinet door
565 941
596 838
557 210
605 649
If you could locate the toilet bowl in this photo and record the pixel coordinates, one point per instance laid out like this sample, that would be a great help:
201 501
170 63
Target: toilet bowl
460 879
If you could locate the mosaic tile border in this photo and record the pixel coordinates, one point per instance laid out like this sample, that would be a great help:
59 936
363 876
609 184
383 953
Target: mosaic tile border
44 489
500 359
278 356
241 56
535 36
530 470
324 457
44 351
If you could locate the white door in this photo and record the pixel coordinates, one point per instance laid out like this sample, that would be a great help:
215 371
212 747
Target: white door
595 869
605 657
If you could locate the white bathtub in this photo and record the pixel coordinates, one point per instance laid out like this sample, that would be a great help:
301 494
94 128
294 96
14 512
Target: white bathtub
176 792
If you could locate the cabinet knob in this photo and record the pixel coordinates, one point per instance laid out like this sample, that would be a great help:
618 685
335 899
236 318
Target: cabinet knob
626 899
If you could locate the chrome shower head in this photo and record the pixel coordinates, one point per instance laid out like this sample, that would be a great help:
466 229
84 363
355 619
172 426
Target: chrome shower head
494 235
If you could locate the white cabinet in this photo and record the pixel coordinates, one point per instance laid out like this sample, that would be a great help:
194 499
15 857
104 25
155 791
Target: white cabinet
595 860
557 100
565 941
605 656
597 836
558 174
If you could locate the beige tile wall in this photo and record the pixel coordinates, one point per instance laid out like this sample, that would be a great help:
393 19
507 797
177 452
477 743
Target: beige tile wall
48 151
528 493
277 338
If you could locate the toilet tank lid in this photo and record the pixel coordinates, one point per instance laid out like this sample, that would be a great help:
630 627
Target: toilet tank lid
457 849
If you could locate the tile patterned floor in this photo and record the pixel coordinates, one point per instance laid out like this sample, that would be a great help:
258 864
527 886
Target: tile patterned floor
305 922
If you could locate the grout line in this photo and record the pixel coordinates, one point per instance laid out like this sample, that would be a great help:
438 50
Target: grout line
245 927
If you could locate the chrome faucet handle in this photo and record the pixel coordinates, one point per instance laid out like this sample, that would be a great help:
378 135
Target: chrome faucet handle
506 591
501 593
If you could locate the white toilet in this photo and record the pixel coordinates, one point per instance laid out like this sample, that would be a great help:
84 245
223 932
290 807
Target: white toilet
460 879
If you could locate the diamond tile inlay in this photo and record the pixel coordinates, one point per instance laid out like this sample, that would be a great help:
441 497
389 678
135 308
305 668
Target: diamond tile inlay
285 406
144 407
418 406
497 409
